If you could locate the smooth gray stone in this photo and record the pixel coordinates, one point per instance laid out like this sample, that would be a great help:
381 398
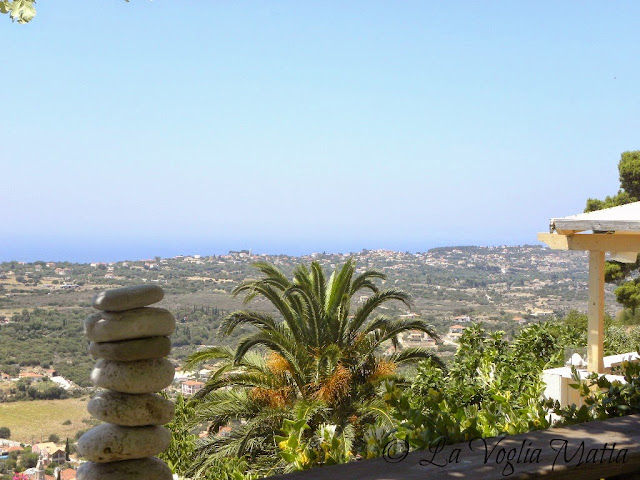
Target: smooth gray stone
128 350
110 443
126 298
139 376
142 469
131 410
138 323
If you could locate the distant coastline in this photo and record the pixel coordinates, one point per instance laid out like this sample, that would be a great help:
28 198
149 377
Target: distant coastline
56 252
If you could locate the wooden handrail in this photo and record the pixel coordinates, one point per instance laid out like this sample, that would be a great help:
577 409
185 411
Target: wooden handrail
591 450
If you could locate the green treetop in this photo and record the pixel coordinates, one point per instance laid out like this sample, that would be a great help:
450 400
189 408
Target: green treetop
628 294
629 169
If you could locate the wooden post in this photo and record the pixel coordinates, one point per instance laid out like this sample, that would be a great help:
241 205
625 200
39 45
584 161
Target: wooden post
595 335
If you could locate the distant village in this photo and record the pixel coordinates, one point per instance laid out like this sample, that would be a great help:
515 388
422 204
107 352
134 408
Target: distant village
523 280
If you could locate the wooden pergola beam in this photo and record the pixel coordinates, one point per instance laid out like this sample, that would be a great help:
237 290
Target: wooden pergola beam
601 242
595 328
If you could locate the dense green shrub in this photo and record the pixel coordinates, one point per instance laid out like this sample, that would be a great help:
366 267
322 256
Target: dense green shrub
492 387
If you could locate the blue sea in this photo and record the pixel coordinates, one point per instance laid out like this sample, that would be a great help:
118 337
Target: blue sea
109 250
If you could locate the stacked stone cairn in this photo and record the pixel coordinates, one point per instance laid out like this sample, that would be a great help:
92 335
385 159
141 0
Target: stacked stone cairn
130 341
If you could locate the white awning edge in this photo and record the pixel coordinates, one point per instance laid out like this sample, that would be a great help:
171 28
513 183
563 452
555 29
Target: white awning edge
624 218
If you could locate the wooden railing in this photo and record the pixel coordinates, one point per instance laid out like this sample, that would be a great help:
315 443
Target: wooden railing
604 449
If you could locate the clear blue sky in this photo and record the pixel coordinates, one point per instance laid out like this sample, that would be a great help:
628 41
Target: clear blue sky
163 127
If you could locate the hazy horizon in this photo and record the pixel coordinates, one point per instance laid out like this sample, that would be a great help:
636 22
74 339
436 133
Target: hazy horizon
98 253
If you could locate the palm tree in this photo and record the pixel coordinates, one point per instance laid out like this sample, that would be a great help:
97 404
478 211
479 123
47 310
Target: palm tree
320 357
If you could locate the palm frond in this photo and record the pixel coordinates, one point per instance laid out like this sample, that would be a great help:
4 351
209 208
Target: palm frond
319 282
207 355
240 317
388 329
373 302
338 286
222 405
277 341
310 317
273 273
415 353
363 281
374 410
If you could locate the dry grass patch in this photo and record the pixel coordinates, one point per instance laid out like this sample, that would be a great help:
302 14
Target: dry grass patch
31 421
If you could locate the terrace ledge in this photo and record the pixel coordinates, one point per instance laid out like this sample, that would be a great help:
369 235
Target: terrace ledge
594 450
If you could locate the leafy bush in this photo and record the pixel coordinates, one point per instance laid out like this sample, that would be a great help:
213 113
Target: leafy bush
493 387
328 445
181 449
28 460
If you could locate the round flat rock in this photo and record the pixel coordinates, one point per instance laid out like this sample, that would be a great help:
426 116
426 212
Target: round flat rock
142 469
110 443
126 298
128 350
131 410
138 323
139 376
